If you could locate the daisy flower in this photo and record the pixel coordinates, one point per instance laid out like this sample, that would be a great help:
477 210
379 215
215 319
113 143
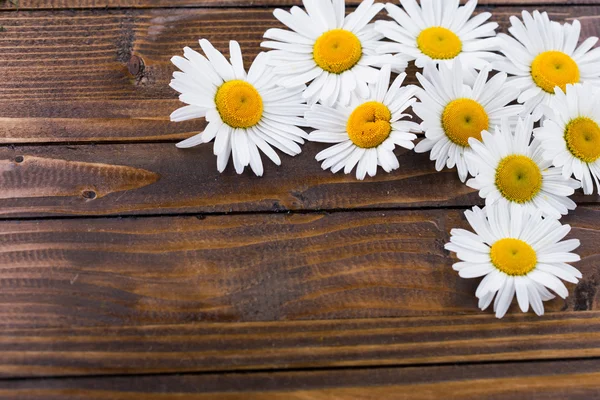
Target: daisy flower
543 55
517 252
336 52
245 111
367 132
439 31
453 112
512 170
570 136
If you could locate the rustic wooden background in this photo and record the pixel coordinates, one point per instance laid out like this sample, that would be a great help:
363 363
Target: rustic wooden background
133 270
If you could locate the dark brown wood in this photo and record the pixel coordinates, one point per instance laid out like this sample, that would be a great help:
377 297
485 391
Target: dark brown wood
203 293
198 347
73 4
161 179
77 76
92 272
560 380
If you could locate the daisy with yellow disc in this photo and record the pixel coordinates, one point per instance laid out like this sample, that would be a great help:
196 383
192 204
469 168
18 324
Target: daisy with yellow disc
335 52
512 170
570 135
454 112
245 112
544 55
439 31
518 252
366 133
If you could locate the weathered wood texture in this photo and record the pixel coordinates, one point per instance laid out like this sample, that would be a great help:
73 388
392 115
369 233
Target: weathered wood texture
161 179
559 380
293 345
272 291
71 4
69 76
90 272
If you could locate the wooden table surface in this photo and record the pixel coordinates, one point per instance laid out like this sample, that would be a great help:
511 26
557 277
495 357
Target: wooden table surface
131 269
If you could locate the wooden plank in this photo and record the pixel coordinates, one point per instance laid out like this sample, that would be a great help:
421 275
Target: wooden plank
161 179
74 4
70 76
272 267
559 380
230 346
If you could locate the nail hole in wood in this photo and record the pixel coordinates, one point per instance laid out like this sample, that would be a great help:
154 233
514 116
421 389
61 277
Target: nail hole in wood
135 65
89 194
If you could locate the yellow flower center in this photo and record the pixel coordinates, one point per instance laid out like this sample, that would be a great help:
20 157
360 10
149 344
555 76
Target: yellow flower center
518 178
463 119
337 51
513 257
369 124
239 104
439 43
554 68
583 139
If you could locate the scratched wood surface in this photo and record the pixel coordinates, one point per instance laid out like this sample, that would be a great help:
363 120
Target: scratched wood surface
130 269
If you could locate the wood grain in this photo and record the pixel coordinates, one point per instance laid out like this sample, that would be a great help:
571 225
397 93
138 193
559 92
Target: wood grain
73 4
165 180
43 177
230 346
272 267
558 380
189 182
102 75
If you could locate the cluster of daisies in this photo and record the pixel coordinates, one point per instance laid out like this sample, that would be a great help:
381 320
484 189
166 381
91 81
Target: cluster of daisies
517 115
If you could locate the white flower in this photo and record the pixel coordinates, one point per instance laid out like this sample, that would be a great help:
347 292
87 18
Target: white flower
245 112
517 252
440 31
513 170
336 52
570 136
452 112
545 55
367 132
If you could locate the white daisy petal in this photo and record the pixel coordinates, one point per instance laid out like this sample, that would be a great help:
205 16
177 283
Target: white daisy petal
550 281
245 112
519 175
237 62
223 68
334 54
255 160
538 44
455 114
188 112
522 293
208 135
570 136
512 265
415 28
367 131
505 297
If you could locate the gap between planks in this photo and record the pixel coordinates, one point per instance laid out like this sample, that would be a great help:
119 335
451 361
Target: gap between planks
570 379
